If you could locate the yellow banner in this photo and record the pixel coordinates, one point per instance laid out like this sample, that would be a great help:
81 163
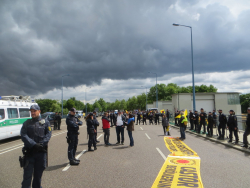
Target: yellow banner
181 168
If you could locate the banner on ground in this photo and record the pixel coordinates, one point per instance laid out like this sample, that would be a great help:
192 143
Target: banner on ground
182 167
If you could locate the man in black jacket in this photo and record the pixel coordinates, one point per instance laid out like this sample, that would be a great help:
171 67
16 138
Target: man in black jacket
210 120
138 117
203 117
91 131
55 121
167 114
59 120
222 125
247 130
96 125
232 125
191 119
157 117
196 121
144 118
72 136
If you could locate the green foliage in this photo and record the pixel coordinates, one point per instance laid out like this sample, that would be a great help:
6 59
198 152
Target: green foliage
165 92
97 105
245 102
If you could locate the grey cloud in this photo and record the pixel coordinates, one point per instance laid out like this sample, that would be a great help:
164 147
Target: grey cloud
93 40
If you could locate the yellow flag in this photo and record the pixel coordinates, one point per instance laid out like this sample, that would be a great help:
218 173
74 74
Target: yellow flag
163 111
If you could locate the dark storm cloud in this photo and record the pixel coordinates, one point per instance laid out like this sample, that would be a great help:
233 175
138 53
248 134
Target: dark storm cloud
92 40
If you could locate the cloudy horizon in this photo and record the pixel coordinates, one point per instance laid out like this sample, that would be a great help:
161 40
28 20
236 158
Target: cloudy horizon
111 46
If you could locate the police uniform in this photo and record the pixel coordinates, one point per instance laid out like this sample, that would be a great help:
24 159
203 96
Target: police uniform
35 134
222 125
96 124
59 119
203 117
111 119
247 131
91 132
138 118
196 121
157 117
215 119
150 118
144 118
210 120
72 137
167 114
233 127
191 119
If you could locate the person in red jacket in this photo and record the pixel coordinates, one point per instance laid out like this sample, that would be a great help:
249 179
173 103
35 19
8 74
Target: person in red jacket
106 128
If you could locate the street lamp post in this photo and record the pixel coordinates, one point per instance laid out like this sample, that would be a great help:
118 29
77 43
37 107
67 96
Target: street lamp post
192 62
86 100
62 91
146 97
156 89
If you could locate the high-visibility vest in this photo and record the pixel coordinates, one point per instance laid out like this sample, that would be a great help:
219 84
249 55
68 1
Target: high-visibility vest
184 121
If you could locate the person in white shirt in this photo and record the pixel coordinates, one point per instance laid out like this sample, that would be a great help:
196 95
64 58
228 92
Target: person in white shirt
120 119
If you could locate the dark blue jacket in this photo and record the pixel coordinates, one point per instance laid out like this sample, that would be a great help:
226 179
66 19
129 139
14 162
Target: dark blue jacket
90 126
34 132
72 124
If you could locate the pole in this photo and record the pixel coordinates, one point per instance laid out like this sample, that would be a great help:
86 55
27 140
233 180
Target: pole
194 107
156 92
86 101
146 99
62 96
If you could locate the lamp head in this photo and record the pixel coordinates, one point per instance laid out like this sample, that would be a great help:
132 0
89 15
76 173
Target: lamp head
174 24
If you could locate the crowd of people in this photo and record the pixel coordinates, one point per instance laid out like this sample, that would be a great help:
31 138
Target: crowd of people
36 141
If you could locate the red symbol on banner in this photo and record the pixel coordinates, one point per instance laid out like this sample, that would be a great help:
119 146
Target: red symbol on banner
182 161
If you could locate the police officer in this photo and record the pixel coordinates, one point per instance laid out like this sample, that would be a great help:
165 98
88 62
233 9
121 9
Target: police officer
210 120
191 119
144 118
167 114
96 125
91 131
111 119
232 125
72 136
215 118
114 118
157 117
150 118
222 125
196 121
247 130
138 117
59 120
35 134
203 117
55 121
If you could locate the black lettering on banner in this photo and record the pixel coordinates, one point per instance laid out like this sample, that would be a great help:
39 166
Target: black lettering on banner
188 177
167 176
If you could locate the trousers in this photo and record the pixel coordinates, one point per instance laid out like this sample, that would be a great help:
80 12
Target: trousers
72 146
106 135
36 166
120 130
221 127
231 131
91 140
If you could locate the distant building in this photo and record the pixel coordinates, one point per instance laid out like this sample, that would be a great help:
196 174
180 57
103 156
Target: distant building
209 101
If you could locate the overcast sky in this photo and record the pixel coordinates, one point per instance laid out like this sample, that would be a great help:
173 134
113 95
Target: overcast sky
111 46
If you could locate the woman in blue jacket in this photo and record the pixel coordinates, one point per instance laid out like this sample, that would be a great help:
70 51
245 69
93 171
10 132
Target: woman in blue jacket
130 128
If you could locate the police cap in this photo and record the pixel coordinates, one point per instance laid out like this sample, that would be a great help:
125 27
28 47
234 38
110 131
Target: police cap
231 111
202 109
94 112
34 107
90 114
219 110
73 110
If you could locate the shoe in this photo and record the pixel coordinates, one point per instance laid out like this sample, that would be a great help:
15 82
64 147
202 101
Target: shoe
73 162
95 148
122 143
90 149
109 144
77 160
244 146
190 129
218 137
203 132
221 138
117 142
229 141
97 141
236 142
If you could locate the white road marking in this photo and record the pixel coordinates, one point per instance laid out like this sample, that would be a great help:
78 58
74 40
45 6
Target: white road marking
12 147
21 145
147 136
163 156
99 136
77 157
141 128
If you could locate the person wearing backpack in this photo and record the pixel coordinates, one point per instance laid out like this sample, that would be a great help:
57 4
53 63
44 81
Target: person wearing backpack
183 125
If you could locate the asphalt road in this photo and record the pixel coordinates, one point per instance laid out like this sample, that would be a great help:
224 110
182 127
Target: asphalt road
122 166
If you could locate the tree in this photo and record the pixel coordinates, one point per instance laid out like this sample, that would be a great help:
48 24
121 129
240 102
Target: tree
245 102
117 105
79 105
55 107
70 104
45 104
123 105
97 105
103 104
141 100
